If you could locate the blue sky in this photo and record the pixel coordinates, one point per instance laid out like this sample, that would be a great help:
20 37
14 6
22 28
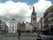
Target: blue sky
26 1
31 2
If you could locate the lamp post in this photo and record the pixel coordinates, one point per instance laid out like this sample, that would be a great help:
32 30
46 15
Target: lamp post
0 26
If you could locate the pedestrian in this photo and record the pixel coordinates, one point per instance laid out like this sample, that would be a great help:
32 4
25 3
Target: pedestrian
19 34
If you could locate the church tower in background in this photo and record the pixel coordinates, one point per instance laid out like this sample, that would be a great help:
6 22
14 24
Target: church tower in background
34 18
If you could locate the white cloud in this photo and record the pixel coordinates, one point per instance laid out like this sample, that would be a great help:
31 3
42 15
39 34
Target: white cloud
2 9
41 0
21 11
17 10
41 6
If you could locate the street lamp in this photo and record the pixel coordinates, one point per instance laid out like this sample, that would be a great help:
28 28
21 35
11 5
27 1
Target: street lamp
0 24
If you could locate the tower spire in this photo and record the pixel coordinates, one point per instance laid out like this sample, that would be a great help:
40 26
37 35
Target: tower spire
33 9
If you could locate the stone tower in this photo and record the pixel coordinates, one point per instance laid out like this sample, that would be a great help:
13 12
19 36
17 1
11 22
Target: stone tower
34 18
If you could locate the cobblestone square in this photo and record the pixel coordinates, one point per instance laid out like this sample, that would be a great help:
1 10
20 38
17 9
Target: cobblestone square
24 36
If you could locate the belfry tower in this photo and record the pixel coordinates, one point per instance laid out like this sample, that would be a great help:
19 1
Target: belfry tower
34 18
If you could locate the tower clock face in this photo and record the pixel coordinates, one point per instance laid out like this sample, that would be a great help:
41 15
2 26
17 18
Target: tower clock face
33 18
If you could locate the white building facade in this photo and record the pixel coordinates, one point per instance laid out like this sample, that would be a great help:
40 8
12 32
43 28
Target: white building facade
13 26
28 26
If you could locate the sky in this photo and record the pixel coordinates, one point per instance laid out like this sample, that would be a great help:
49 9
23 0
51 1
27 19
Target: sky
21 10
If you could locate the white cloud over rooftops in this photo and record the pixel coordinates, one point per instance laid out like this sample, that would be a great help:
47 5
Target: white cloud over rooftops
41 7
21 10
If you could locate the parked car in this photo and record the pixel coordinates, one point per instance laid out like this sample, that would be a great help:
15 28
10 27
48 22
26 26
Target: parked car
46 35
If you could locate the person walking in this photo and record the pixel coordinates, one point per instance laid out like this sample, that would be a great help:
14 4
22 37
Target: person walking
19 34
